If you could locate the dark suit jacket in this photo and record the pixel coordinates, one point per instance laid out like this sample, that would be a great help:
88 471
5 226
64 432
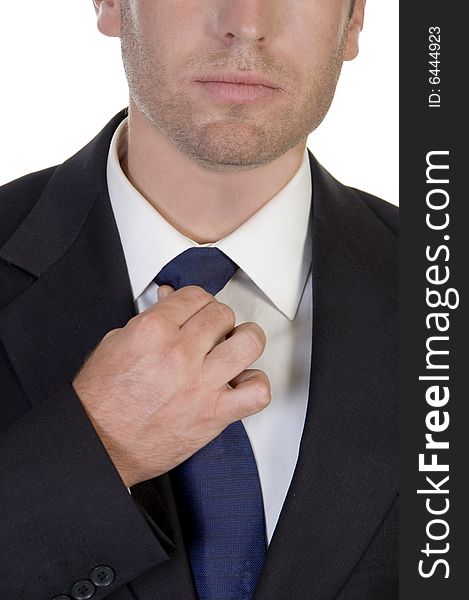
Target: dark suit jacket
63 507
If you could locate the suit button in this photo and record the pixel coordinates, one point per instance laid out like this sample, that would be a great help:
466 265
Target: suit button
82 590
102 576
61 597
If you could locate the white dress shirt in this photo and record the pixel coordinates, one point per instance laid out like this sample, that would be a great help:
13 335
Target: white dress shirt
272 287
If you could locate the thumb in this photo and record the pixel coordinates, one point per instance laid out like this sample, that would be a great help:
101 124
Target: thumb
164 290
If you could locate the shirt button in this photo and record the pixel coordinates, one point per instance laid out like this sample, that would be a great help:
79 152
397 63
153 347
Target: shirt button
102 576
82 590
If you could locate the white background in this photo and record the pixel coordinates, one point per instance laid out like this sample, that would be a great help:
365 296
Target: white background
62 81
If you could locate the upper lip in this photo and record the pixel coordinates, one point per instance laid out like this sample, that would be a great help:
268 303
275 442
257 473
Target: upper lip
248 78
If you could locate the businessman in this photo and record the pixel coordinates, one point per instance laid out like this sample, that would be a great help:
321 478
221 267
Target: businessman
198 356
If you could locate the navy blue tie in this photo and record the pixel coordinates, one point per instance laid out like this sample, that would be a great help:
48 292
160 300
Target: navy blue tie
218 489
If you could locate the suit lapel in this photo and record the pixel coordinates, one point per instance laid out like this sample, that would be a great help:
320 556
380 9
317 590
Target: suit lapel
346 476
79 290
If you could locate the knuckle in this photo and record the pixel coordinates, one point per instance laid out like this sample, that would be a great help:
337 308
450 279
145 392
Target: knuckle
226 313
149 319
196 294
149 323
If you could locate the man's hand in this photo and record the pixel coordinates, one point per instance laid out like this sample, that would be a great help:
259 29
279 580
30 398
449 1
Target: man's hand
166 384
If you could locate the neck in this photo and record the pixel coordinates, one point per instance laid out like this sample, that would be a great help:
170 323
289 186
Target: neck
203 205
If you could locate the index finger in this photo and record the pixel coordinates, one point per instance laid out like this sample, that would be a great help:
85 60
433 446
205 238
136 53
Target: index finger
179 306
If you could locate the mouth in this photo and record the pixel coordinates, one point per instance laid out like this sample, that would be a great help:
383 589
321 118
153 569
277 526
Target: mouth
240 88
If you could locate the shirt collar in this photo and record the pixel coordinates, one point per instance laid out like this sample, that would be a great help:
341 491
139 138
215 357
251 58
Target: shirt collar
273 247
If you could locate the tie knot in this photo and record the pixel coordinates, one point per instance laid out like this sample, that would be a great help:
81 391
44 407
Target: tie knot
206 267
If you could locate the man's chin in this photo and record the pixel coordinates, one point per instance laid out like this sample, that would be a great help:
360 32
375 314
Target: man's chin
229 147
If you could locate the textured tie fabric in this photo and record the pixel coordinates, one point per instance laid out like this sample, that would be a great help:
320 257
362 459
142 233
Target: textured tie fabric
207 267
217 489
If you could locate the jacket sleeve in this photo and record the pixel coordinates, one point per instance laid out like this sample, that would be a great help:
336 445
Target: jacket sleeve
65 513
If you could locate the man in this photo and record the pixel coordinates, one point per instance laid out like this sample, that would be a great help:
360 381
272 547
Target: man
194 311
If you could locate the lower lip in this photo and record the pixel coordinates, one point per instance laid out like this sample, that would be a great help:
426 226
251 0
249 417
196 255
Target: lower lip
240 93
